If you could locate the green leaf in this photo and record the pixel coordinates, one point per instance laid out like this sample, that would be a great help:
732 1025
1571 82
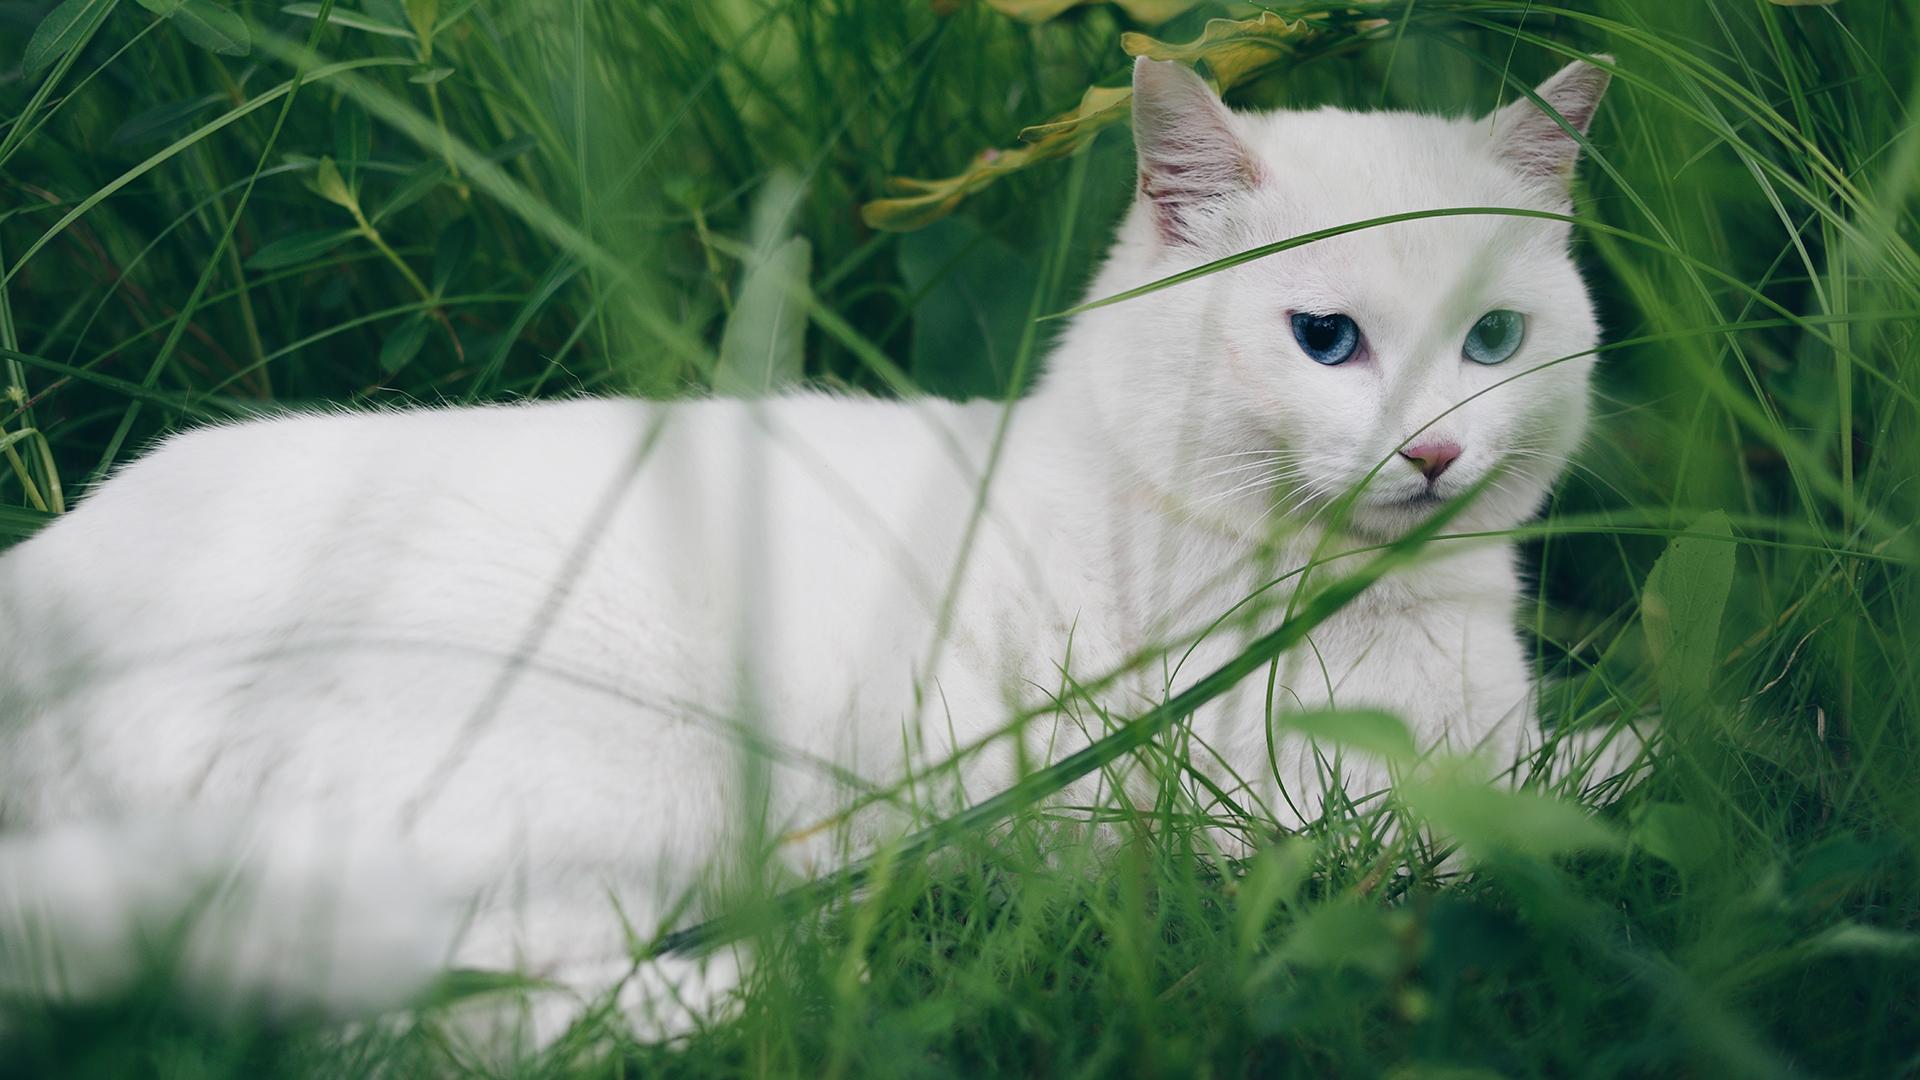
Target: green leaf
403 344
1681 608
331 186
512 148
762 347
421 15
1348 935
1379 733
162 8
974 293
387 11
298 248
352 20
1857 939
459 11
352 138
1275 877
62 31
451 252
161 119
1487 820
213 27
430 76
1675 833
423 179
17 523
1836 868
1467 933
461 984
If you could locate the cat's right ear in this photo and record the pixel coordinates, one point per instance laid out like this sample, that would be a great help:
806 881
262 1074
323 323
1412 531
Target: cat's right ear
1188 152
1537 142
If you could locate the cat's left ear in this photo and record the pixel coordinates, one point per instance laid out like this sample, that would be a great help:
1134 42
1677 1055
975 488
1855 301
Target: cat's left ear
1189 153
1533 140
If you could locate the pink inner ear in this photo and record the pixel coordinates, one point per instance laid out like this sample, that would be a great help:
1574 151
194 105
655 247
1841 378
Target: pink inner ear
1177 189
1203 171
1188 152
1529 137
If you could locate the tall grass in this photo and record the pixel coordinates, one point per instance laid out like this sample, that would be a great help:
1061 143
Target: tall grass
492 200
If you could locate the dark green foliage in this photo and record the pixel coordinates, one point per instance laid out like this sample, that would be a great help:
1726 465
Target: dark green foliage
537 197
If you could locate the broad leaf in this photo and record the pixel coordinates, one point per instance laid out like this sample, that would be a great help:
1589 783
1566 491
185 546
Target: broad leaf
162 119
423 179
353 20
298 248
1274 877
403 343
213 27
975 293
1681 608
62 31
1675 833
1488 820
762 347
451 253
1370 730
1341 934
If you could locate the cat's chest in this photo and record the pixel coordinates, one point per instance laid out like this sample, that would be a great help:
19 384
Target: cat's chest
1432 641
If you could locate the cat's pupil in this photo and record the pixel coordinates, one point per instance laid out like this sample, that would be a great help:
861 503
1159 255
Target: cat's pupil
1321 334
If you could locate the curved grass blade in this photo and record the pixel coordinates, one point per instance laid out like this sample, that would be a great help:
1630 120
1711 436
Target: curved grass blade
1131 736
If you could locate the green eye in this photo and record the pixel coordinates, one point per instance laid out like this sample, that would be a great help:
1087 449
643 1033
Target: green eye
1495 337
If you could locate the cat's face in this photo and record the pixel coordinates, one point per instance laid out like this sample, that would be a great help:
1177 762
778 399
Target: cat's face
1410 361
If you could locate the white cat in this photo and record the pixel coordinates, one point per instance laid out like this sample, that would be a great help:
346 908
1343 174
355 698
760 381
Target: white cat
519 649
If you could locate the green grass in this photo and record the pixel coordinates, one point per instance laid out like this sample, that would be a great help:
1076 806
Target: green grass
565 195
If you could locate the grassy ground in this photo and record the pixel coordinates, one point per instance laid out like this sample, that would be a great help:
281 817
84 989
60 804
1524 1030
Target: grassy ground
479 201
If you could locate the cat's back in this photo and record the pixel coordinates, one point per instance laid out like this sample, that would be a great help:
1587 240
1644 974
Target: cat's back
304 595
225 529
612 539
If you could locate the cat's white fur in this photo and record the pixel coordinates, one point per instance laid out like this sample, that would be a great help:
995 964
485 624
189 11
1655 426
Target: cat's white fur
519 648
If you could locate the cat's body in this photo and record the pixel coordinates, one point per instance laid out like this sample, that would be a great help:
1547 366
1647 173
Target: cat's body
524 645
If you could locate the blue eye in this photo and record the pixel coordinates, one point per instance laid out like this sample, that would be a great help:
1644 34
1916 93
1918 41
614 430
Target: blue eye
1327 339
1495 337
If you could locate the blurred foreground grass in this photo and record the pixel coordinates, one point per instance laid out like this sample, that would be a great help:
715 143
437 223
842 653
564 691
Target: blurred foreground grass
478 201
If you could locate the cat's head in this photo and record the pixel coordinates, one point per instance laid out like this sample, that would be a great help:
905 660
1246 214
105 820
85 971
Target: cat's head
1414 358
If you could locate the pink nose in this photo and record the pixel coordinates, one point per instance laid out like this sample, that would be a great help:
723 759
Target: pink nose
1432 458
